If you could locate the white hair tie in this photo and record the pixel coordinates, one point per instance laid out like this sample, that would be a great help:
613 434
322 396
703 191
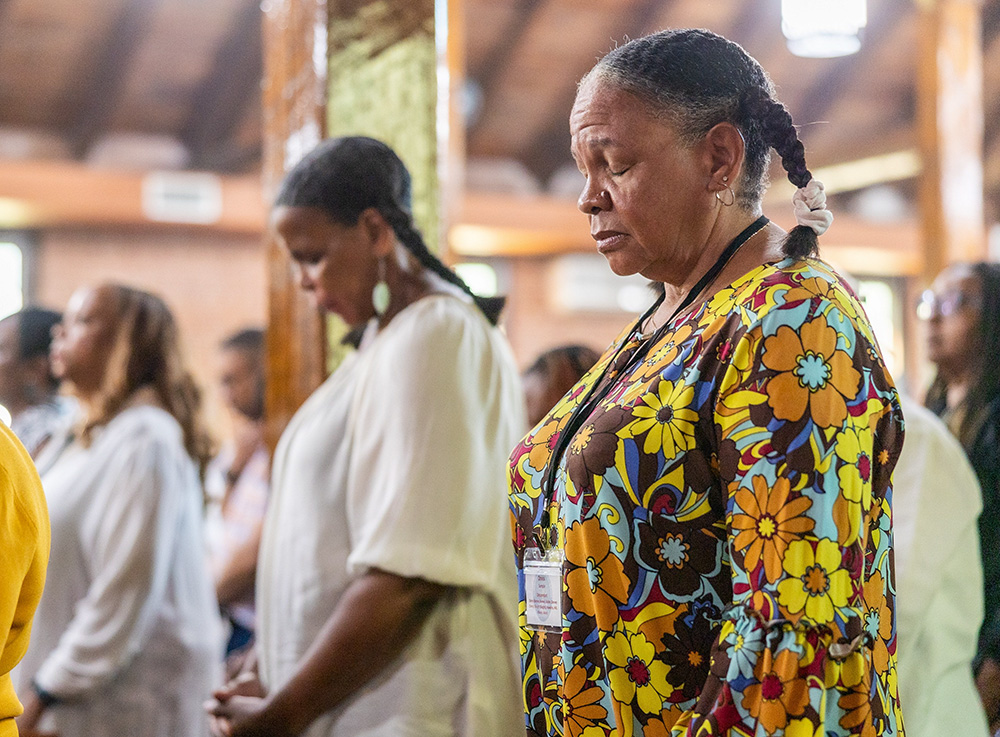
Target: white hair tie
809 203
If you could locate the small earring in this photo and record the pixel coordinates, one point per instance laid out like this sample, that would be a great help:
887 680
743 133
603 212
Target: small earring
725 178
380 293
729 200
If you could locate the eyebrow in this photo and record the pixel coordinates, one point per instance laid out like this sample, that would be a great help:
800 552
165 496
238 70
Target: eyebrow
592 143
600 141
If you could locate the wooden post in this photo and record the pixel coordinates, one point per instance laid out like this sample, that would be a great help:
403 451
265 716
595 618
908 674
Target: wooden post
294 96
950 116
451 41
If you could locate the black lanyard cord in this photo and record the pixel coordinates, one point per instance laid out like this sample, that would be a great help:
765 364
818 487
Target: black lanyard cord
593 397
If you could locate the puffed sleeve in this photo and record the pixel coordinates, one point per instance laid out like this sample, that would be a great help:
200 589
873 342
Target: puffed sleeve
808 426
940 585
130 529
24 551
432 423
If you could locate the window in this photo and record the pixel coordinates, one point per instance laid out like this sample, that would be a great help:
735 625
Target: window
12 282
883 305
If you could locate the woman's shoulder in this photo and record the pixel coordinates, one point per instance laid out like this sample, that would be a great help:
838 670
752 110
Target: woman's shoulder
440 320
19 483
144 423
793 286
442 309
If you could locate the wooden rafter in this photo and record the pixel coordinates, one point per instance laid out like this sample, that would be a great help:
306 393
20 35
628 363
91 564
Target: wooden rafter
493 63
97 98
842 74
550 149
224 96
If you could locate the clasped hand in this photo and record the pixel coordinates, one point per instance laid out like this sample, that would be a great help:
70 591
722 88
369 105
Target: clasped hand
236 710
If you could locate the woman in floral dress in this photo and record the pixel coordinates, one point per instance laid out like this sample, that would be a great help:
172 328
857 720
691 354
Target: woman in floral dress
715 492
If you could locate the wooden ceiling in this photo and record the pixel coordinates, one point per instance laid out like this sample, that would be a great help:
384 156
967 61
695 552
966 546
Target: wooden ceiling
527 56
77 76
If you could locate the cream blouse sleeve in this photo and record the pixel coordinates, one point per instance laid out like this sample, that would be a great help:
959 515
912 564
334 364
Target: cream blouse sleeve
431 426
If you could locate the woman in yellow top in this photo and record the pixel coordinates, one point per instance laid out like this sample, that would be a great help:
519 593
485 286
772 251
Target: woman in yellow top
24 551
702 524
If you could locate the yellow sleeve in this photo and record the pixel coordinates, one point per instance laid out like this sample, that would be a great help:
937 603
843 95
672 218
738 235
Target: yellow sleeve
24 555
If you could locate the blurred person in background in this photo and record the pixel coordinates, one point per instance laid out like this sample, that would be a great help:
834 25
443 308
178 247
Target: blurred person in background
939 579
28 389
237 485
127 636
385 595
962 310
24 553
713 500
553 374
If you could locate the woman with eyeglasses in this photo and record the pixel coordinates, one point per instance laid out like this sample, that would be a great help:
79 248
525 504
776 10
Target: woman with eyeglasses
962 310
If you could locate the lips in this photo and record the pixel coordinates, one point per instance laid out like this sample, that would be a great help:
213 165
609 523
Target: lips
609 240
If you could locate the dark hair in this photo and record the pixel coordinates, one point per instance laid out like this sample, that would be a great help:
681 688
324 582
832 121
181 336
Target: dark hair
346 176
985 386
698 79
579 358
146 353
34 330
34 335
249 340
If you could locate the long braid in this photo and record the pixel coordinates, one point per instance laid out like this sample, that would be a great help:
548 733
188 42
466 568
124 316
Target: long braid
779 133
402 225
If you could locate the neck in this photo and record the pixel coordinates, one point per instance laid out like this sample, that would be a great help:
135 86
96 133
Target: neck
409 280
957 381
407 283
759 248
29 397
16 405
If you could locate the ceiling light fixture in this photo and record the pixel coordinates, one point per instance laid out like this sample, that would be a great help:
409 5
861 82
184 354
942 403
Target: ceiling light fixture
823 28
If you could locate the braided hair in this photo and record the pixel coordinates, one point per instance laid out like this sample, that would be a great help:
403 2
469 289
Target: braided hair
343 177
697 79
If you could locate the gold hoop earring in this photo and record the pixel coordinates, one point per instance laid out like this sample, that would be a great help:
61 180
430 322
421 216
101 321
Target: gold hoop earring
731 200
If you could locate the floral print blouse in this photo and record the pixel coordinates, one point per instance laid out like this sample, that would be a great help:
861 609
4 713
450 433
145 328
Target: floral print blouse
724 515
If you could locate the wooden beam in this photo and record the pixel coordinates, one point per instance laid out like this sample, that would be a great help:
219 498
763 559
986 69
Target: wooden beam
35 194
451 138
490 69
294 121
950 117
224 96
550 148
547 226
95 101
843 73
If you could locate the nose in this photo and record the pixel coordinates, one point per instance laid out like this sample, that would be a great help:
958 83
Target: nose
593 199
305 280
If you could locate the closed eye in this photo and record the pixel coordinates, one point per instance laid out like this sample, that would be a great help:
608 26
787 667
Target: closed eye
307 259
619 173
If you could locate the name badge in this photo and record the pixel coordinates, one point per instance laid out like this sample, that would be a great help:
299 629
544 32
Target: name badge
543 594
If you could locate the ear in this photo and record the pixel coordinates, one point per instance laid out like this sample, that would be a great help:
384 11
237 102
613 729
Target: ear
724 153
377 232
